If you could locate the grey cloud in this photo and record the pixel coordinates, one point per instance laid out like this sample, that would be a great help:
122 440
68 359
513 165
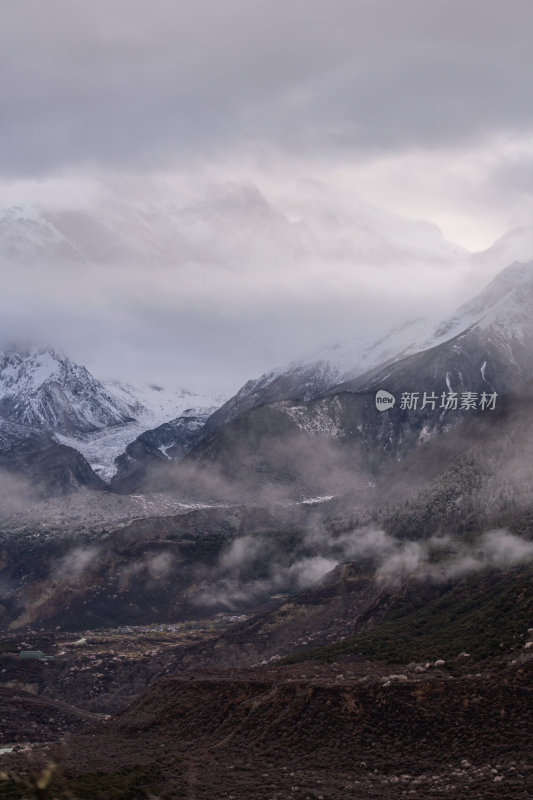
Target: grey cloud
124 83
74 563
435 560
514 175
494 549
207 297
347 93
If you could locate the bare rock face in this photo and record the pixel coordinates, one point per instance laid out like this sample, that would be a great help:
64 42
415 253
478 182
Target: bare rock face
33 463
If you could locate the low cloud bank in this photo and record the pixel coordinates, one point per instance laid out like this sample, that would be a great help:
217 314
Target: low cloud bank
235 579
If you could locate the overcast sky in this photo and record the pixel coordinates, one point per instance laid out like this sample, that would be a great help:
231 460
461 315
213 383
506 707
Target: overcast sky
421 108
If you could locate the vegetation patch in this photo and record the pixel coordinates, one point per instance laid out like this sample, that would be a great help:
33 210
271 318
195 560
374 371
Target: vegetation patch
484 616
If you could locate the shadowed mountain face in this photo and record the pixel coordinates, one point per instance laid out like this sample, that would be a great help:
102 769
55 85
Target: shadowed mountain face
168 442
290 450
266 452
33 464
475 476
291 429
327 446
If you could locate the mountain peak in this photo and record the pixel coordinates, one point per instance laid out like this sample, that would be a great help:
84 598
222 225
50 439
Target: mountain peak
517 273
35 365
500 314
41 387
34 351
505 301
236 201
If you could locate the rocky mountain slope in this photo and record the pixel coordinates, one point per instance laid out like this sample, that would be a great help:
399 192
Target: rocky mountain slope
317 445
317 373
168 442
168 423
33 465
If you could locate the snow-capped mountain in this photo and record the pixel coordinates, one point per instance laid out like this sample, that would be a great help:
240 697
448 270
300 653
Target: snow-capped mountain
228 224
504 308
503 312
484 349
487 344
316 373
43 391
293 429
156 404
42 388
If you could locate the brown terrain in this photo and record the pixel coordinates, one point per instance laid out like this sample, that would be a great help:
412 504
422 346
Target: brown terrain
417 690
347 729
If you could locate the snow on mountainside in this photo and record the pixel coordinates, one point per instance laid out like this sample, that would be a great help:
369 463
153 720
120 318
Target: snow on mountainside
314 374
225 226
339 440
42 388
503 311
161 403
486 345
156 405
500 318
357 356
228 224
505 306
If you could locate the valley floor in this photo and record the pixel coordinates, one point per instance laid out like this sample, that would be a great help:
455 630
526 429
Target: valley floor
308 731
